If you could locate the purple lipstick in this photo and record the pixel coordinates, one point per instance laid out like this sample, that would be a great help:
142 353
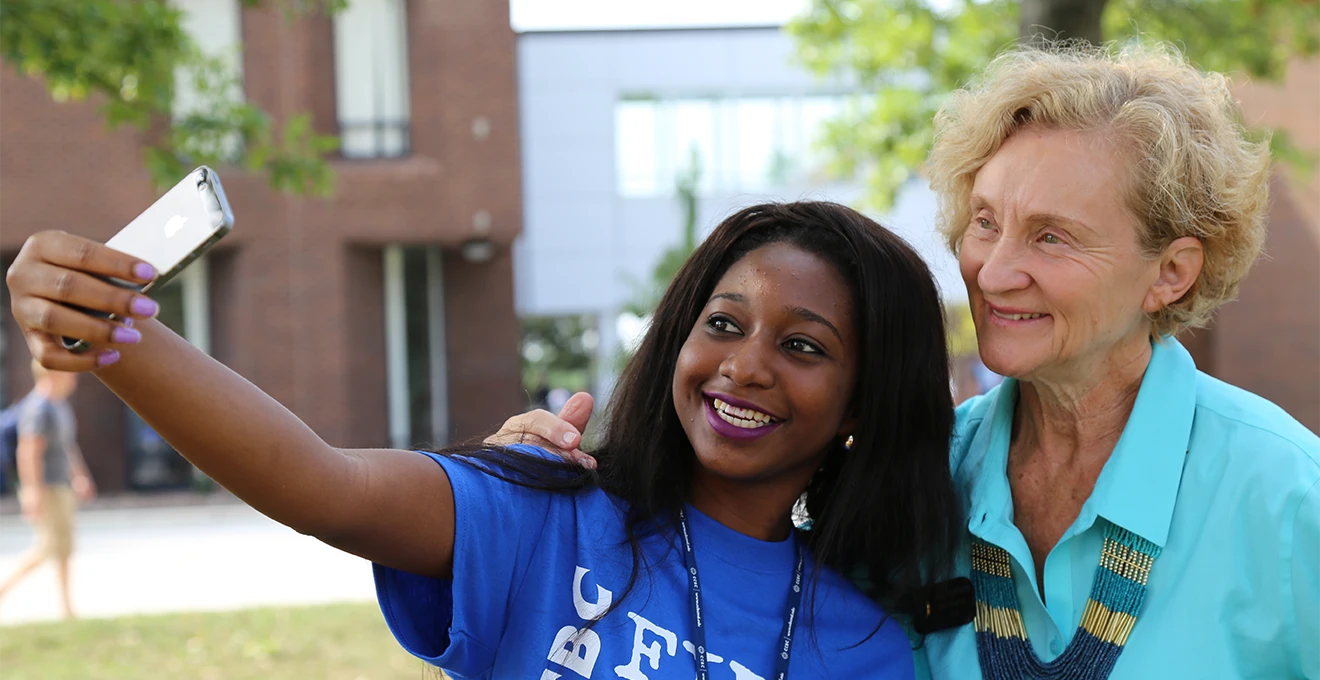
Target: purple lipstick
728 430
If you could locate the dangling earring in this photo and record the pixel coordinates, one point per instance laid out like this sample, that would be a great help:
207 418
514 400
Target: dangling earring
848 443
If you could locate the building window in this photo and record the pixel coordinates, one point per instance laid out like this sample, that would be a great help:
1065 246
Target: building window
737 144
371 79
415 350
9 471
210 88
184 308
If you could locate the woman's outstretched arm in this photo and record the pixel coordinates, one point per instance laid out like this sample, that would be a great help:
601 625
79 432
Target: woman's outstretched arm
388 506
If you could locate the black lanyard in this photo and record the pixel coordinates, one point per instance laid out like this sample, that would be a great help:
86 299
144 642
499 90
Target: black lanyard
698 615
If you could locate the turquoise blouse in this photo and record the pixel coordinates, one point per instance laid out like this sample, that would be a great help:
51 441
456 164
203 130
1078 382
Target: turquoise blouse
1224 481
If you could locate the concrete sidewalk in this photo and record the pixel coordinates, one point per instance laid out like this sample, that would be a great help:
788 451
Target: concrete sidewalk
133 500
161 559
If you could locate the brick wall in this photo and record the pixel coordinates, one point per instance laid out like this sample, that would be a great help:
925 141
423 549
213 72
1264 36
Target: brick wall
1268 341
297 288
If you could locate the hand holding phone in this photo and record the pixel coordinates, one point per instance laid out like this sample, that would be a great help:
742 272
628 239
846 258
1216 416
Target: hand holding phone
177 229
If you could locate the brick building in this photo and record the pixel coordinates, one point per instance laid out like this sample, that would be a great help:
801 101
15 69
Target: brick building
1268 340
381 316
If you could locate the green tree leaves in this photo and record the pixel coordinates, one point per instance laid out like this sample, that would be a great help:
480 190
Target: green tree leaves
128 54
907 55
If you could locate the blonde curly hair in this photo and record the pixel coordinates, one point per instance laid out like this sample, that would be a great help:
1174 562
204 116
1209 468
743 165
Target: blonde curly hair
1194 171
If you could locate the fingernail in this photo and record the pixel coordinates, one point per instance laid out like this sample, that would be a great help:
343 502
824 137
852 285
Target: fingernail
125 336
587 462
142 270
107 358
127 321
144 307
568 437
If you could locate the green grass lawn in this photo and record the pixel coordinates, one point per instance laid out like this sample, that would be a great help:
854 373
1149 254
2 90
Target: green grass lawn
336 642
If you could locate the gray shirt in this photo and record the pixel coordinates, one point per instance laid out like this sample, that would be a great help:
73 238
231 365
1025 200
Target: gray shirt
53 422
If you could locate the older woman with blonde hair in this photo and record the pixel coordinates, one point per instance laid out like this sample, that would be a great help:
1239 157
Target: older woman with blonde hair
1128 515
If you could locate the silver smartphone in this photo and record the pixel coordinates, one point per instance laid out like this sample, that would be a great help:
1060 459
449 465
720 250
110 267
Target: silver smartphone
177 229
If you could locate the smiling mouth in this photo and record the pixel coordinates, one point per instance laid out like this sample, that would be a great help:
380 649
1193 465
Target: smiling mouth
1017 317
745 418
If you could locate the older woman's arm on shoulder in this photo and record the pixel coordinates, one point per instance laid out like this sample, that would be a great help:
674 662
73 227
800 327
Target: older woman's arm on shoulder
1304 574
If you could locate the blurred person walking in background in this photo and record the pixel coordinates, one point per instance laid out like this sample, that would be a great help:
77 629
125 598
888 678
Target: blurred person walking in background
52 477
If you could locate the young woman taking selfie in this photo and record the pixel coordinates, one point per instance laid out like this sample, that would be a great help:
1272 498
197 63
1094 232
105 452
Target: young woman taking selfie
797 361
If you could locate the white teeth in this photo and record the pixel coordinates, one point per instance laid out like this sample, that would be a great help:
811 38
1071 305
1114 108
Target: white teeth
1017 317
741 417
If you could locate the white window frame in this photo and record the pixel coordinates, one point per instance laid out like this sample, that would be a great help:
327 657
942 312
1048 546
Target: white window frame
371 79
396 348
216 27
196 283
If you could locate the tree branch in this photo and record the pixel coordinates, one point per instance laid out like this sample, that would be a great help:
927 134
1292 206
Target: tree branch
1043 20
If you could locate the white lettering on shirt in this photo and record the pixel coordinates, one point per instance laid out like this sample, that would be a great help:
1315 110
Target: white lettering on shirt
578 649
740 672
575 650
589 610
633 671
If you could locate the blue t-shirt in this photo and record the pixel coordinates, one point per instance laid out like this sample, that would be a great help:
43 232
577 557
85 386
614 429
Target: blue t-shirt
532 568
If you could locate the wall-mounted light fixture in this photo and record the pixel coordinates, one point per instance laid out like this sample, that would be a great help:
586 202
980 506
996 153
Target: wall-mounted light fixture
481 128
481 222
477 250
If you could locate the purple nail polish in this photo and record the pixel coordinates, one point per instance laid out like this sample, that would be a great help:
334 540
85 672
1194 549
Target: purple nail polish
107 358
125 336
144 307
144 271
127 321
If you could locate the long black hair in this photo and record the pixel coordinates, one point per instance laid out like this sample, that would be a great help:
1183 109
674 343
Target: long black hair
887 504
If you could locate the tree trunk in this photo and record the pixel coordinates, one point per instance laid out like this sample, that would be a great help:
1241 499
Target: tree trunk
1061 20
